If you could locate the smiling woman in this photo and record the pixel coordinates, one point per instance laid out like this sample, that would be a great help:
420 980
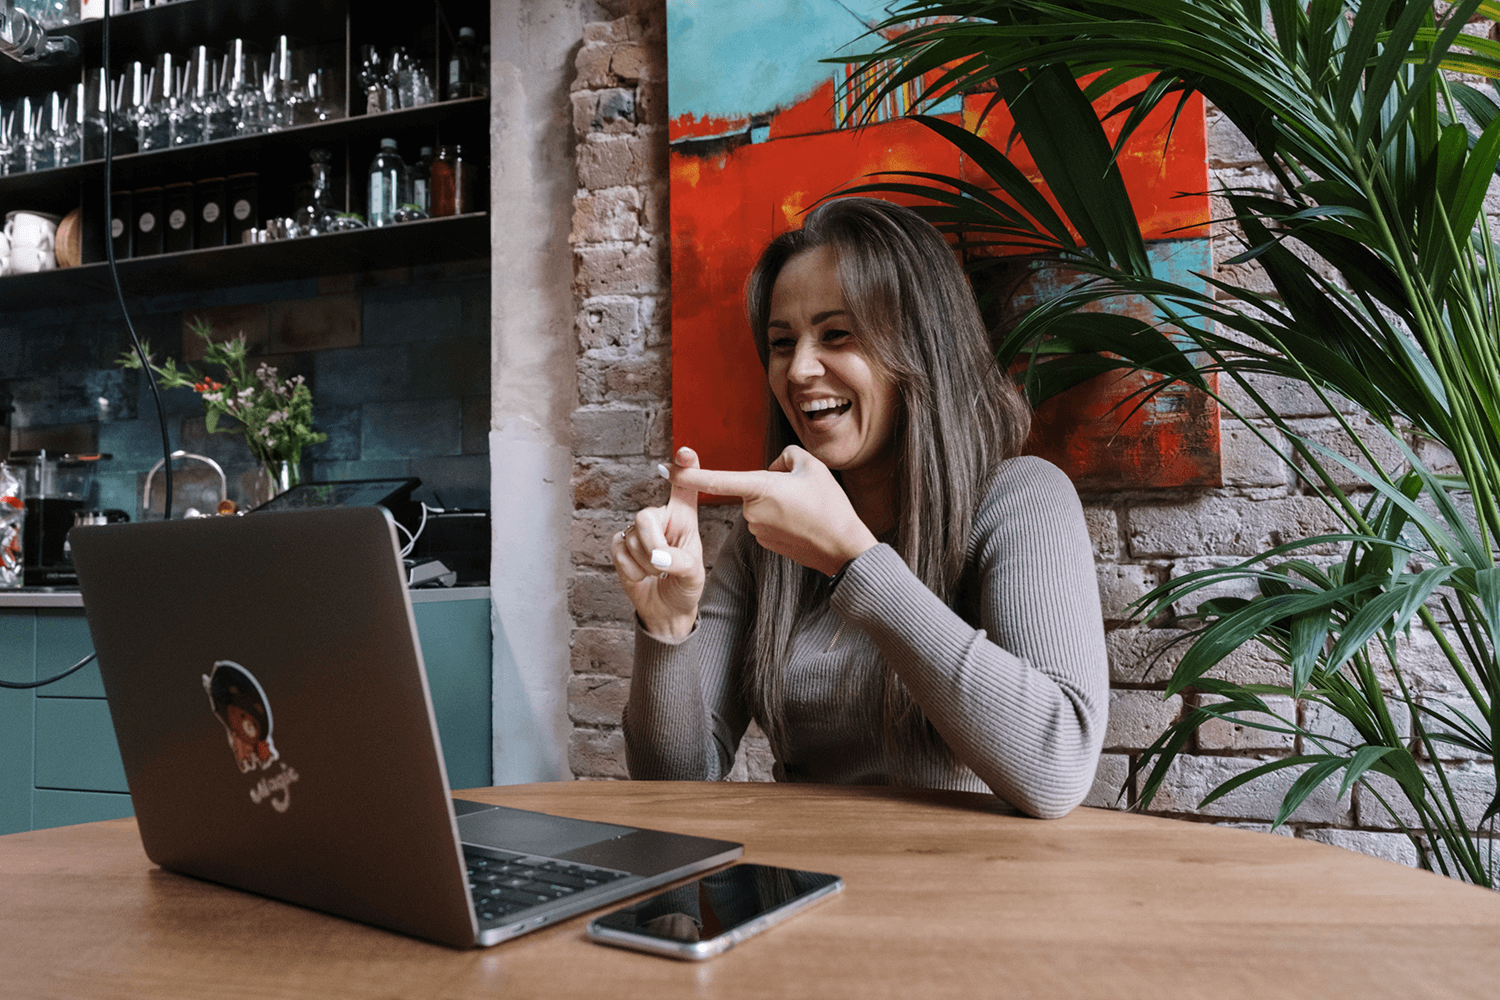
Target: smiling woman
906 602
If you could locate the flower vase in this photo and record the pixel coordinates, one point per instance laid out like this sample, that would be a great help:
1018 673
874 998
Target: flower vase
274 478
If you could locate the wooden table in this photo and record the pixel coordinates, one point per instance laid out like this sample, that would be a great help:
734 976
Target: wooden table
946 897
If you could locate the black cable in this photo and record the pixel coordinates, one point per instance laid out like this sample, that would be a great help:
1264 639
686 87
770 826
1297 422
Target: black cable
50 680
114 270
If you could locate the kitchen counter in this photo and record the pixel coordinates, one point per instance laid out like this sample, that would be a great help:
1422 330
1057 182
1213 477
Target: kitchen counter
58 597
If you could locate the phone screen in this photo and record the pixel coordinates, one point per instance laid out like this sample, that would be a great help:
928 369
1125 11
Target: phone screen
717 904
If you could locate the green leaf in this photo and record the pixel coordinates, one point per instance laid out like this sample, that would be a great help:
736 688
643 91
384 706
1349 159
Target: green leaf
1245 777
1306 782
1309 633
1364 758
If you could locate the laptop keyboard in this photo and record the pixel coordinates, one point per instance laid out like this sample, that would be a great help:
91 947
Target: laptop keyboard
503 885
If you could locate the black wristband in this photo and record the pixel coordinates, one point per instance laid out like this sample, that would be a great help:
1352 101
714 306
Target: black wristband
835 579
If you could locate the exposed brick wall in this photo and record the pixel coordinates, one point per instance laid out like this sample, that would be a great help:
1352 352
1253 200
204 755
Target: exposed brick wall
1141 538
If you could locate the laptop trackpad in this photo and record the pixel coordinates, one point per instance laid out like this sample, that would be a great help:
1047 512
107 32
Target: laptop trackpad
524 832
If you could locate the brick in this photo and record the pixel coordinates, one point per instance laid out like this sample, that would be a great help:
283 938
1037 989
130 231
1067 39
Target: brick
593 67
659 433
651 101
1227 145
611 321
596 753
410 314
316 324
611 270
1321 720
1104 531
1286 397
715 523
606 161
595 596
1121 584
1421 661
1436 457
611 215
1473 787
1189 779
755 761
228 322
612 431
1109 780
1330 435
603 650
596 701
1395 847
647 378
1137 718
1232 587
1247 460
632 61
654 322
591 534
1226 526
1280 831
1222 734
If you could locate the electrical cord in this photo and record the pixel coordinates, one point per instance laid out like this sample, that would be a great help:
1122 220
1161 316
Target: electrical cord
114 272
22 686
114 269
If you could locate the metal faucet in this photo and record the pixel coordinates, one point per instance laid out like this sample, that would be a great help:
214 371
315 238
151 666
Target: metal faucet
223 482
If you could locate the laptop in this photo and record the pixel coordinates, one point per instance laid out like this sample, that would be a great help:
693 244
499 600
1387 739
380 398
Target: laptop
274 720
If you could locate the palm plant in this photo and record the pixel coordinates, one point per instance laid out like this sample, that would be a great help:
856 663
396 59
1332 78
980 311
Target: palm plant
1387 293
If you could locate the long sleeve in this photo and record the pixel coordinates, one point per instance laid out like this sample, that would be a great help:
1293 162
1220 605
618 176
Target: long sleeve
684 716
1022 701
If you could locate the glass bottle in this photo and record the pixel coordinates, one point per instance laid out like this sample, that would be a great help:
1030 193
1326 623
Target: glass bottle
443 178
387 184
392 81
318 215
371 79
421 181
464 67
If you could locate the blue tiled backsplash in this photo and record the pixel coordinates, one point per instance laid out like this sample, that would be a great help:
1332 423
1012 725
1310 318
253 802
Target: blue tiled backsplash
398 363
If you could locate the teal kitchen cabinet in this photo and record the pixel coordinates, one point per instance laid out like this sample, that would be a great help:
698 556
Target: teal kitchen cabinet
58 760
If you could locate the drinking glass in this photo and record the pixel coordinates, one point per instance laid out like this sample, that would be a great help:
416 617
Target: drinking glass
67 136
9 144
36 141
212 114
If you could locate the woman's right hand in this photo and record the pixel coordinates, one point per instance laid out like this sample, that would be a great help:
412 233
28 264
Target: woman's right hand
659 559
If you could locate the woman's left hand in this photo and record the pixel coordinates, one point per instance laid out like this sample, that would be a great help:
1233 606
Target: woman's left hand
794 508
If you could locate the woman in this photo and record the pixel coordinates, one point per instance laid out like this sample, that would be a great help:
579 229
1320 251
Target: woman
906 602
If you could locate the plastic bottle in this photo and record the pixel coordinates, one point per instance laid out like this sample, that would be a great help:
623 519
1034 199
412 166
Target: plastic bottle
464 67
421 181
387 184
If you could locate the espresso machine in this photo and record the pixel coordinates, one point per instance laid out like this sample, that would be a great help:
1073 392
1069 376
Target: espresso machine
57 489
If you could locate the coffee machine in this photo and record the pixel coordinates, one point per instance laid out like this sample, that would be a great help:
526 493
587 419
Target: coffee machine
56 488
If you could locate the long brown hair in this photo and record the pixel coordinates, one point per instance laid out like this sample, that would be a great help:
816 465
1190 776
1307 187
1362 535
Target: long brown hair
958 417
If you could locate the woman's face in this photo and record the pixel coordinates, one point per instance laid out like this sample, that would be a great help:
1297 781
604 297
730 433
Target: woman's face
841 407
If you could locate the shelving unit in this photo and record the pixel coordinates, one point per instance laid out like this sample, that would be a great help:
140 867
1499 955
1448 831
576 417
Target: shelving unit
336 29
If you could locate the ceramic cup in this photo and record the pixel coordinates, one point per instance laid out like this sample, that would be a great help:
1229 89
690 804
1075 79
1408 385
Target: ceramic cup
4 255
31 237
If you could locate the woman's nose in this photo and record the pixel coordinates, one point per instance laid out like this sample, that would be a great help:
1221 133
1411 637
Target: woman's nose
806 364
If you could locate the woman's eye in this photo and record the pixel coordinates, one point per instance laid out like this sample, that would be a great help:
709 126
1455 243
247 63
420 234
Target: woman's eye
835 336
781 344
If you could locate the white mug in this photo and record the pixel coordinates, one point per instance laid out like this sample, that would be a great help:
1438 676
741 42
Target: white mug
4 255
31 229
31 237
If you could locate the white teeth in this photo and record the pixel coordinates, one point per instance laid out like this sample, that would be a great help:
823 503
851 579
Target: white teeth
818 405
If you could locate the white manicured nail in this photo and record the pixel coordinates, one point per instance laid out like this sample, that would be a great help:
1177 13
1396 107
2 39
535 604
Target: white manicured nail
661 470
661 558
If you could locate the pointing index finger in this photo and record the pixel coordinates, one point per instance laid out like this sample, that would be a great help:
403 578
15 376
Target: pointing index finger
745 485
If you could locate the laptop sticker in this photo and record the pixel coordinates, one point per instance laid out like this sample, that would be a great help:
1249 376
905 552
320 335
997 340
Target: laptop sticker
241 705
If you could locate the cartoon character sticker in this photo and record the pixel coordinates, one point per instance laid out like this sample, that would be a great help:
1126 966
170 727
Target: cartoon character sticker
241 705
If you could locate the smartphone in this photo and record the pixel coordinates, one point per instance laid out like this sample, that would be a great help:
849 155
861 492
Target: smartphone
709 916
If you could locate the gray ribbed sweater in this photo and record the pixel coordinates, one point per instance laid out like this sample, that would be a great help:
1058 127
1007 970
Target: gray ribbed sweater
1016 682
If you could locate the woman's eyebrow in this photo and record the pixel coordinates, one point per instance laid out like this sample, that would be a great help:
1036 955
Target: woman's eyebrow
817 318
